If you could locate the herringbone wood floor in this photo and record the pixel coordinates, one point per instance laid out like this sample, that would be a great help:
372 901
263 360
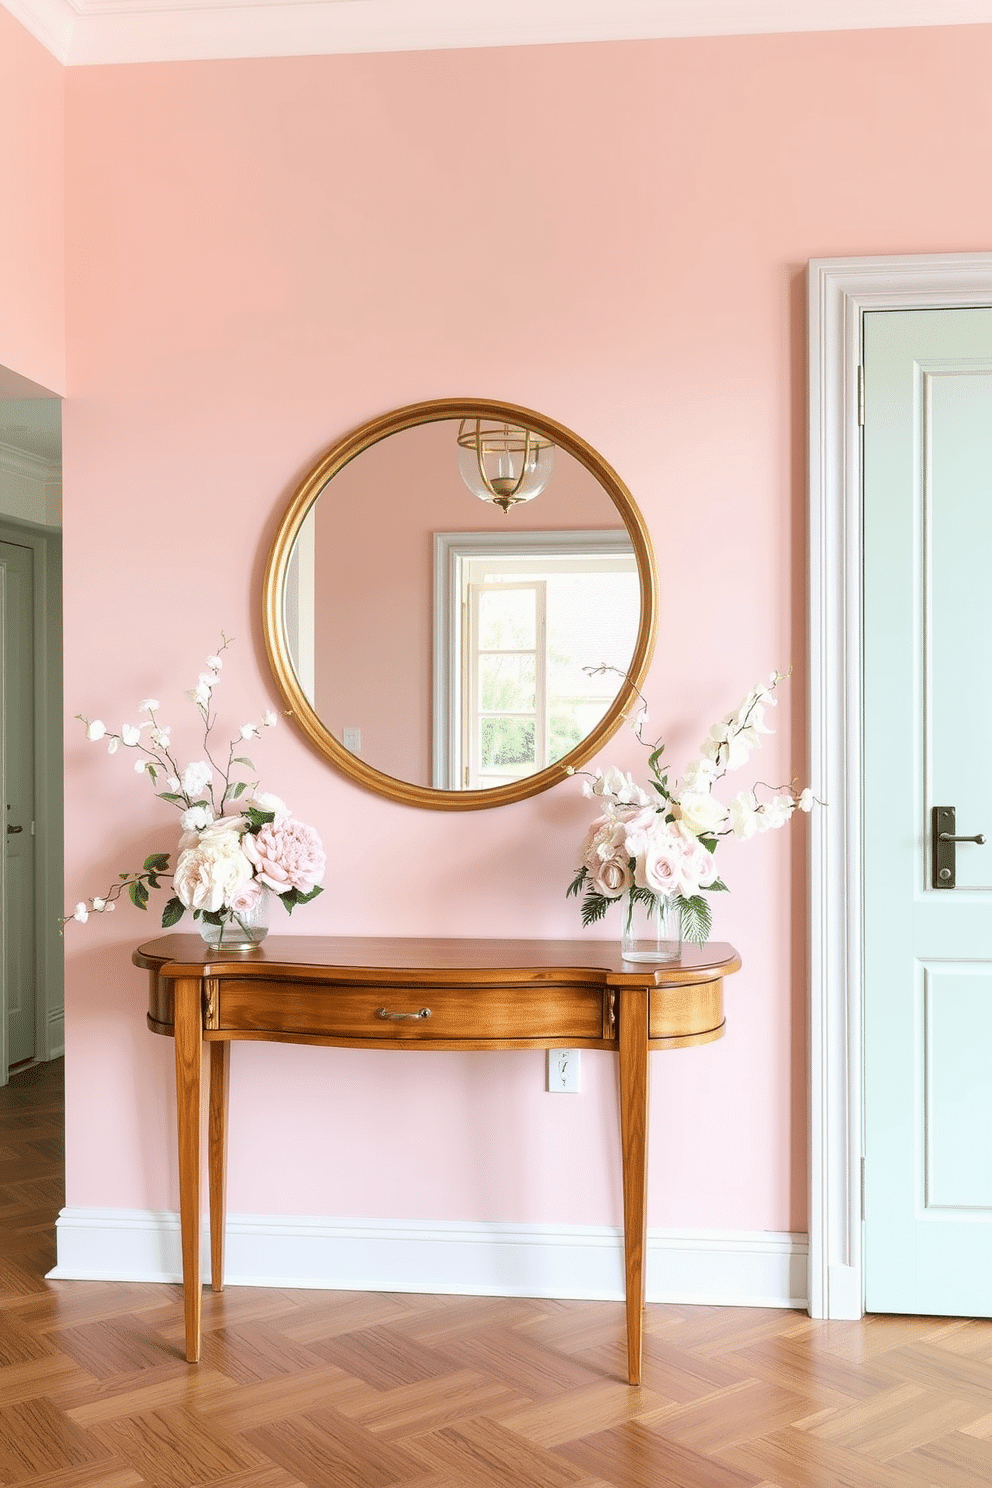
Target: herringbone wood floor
339 1390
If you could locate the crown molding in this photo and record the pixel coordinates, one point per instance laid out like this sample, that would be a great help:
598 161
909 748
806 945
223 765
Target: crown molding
83 33
28 465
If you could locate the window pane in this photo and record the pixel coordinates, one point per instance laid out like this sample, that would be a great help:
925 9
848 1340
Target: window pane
592 621
507 684
507 620
505 743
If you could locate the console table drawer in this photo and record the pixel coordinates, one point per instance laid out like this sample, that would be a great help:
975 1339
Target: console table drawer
357 1011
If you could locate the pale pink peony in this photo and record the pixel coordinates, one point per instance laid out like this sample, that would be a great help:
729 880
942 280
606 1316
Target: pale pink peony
286 855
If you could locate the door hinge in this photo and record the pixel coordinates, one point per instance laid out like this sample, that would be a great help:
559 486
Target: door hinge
862 1188
861 397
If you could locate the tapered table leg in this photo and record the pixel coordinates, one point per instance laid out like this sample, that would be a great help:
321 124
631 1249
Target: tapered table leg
634 1144
189 1062
220 1058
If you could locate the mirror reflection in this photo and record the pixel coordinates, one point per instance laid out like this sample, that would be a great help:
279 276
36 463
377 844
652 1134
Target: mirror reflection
449 596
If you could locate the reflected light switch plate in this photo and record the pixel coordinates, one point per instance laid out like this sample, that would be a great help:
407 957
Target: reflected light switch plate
352 739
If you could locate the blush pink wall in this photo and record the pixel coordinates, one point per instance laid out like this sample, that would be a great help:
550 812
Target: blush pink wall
264 254
32 291
374 533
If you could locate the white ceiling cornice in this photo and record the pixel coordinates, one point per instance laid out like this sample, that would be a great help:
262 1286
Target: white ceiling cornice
90 32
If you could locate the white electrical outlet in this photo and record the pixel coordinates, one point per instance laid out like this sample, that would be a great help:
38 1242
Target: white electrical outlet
352 739
563 1071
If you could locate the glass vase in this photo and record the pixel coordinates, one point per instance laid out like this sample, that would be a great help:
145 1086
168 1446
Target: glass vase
240 929
652 931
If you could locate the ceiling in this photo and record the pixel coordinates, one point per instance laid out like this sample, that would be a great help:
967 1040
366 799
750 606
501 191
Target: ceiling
90 32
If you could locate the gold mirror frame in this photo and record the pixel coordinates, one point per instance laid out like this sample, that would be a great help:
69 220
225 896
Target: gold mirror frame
273 620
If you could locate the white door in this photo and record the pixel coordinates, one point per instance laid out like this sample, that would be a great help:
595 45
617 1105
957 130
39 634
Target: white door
928 744
17 832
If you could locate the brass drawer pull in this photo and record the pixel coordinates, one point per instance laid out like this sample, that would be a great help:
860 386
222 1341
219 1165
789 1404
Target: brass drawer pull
385 1013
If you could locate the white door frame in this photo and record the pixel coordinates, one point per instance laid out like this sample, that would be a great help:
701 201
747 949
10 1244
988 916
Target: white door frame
840 291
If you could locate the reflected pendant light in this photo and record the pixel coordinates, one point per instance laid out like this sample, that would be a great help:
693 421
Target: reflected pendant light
503 463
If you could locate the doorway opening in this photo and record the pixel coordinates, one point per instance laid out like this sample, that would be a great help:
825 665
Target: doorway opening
31 839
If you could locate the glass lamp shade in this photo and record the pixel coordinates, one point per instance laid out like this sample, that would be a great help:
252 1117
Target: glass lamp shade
503 463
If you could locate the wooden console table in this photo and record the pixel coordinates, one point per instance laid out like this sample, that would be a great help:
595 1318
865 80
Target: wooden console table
421 994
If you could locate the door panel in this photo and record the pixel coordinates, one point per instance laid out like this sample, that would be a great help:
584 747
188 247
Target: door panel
18 806
928 742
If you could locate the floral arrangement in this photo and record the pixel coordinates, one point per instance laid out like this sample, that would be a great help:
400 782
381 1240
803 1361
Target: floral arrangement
237 841
660 847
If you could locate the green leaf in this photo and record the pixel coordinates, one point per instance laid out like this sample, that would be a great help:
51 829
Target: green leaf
173 912
291 899
710 843
138 894
697 921
241 760
157 863
213 917
235 789
257 818
717 887
594 907
575 887
171 796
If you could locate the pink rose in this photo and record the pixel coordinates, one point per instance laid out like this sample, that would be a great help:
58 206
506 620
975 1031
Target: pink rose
245 901
286 855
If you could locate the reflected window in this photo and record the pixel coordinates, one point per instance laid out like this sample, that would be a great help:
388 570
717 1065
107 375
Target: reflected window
519 619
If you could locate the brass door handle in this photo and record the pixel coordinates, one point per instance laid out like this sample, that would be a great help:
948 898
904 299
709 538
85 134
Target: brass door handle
384 1013
943 837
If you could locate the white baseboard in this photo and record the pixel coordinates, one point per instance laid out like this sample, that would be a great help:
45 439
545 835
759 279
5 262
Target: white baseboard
729 1268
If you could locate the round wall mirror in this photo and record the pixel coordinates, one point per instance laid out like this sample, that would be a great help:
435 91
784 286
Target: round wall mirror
460 604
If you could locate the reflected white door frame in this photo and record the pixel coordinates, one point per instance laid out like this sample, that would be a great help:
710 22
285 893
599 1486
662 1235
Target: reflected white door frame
840 292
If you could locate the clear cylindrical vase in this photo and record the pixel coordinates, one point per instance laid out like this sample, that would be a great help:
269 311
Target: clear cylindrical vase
240 929
652 930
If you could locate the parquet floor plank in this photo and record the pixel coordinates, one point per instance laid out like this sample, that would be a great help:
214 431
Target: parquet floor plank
484 1452
330 1389
432 1404
635 1456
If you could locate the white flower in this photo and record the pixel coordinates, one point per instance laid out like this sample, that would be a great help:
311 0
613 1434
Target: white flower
775 813
196 818
140 766
270 718
196 777
96 729
208 875
214 663
619 786
109 906
726 747
149 705
249 731
160 737
267 801
174 783
81 913
701 812
130 735
113 744
806 800
699 775
98 903
743 814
